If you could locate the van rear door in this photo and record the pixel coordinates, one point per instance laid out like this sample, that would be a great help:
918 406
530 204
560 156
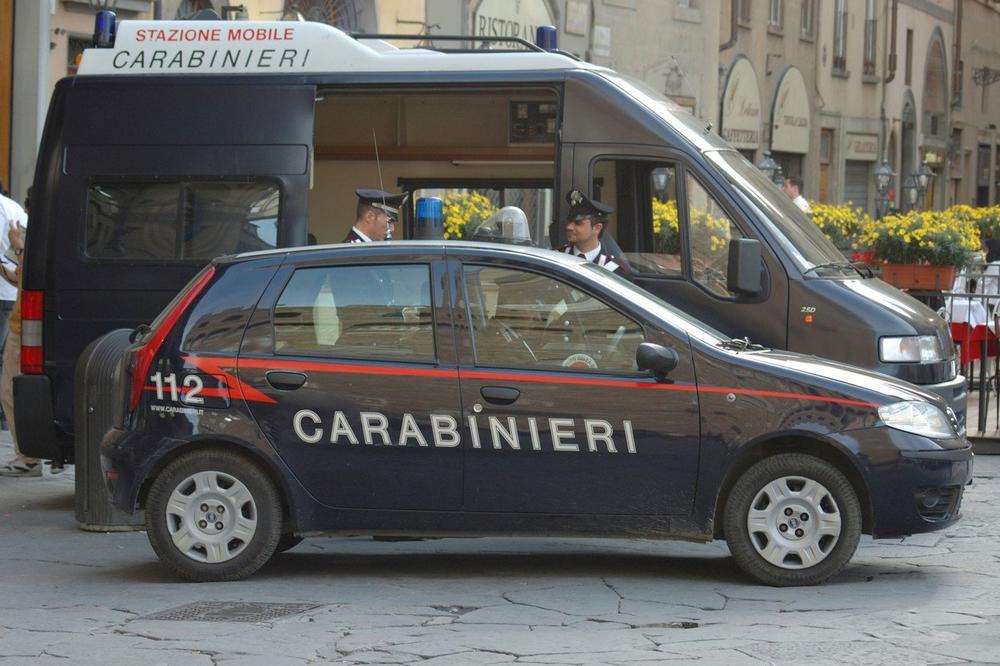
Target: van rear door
147 192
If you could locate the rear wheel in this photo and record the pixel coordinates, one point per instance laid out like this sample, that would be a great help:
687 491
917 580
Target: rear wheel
792 519
213 516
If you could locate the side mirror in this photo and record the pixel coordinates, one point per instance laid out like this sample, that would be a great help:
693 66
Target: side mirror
743 275
656 358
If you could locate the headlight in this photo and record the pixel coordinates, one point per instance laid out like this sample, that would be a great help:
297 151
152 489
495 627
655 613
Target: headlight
920 418
911 349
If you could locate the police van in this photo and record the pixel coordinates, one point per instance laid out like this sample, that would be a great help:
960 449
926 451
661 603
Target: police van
177 142
429 389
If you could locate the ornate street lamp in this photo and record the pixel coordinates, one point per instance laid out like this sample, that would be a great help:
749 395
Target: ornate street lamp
923 178
779 177
768 166
911 192
883 176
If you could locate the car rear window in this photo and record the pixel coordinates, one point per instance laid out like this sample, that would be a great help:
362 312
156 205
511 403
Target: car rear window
370 312
180 220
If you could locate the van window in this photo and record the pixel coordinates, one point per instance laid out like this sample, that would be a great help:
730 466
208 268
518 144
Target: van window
177 221
647 222
371 312
710 231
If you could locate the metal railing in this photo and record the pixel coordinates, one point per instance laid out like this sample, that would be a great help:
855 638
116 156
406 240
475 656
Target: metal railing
972 308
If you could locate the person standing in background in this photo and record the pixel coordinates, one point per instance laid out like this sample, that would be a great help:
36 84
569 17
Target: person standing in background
793 188
10 215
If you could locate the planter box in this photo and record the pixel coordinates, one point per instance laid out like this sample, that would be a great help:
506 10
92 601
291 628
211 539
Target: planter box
919 276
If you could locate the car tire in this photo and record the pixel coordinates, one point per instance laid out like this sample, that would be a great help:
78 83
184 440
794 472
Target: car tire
213 515
287 542
792 519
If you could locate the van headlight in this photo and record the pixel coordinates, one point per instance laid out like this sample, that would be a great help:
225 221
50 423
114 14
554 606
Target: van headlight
911 349
918 417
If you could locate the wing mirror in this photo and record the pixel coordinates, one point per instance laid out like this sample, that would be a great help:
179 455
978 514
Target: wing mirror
656 358
743 275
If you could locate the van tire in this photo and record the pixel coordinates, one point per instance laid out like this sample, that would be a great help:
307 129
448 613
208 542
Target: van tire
802 508
213 515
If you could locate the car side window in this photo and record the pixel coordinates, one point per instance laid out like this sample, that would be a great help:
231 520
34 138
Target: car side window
525 319
709 229
370 312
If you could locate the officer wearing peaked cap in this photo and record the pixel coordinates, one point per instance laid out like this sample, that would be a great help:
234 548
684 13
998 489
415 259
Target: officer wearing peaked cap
376 215
584 230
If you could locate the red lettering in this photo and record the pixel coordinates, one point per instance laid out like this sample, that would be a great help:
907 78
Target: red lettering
140 35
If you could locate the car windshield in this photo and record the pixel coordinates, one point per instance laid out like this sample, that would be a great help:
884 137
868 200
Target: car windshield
793 230
802 240
654 305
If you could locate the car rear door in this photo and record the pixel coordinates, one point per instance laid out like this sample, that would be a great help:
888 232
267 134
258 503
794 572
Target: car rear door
350 370
558 420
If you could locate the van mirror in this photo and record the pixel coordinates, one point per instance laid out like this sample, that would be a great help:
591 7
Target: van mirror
656 358
743 275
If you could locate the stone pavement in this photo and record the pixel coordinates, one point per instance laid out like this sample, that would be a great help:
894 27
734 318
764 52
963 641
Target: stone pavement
68 594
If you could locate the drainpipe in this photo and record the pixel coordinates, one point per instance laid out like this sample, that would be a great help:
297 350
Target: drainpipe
892 42
732 27
956 53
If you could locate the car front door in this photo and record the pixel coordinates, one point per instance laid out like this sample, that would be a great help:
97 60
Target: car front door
558 419
352 382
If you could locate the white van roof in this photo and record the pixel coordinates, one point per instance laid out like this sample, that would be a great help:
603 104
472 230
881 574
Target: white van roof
284 47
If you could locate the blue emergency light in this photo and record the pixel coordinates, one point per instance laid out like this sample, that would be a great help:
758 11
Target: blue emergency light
547 37
430 219
104 29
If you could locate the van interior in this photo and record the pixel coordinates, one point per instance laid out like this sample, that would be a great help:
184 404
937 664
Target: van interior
478 150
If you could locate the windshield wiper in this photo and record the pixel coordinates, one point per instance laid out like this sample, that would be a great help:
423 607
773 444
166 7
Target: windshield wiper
830 264
739 344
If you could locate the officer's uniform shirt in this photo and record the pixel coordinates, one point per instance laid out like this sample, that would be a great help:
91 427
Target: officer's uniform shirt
355 236
598 256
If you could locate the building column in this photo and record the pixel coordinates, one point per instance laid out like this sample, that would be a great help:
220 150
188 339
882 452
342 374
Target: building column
30 90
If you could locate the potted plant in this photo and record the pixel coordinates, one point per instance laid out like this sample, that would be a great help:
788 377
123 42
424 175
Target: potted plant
840 223
921 250
463 212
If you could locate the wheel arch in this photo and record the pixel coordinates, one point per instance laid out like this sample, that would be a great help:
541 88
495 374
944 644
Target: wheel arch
805 443
253 455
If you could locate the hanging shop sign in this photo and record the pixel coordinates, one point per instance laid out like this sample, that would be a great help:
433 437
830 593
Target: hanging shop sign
503 18
861 147
740 124
790 114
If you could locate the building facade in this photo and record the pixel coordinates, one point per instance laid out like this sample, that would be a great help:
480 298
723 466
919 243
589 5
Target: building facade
768 64
850 76
975 170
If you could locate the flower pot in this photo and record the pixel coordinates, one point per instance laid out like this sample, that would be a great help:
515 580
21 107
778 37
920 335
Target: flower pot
918 276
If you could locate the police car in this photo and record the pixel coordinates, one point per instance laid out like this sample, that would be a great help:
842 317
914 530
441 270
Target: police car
466 389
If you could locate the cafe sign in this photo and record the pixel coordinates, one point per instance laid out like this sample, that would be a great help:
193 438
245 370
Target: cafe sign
740 124
790 114
861 147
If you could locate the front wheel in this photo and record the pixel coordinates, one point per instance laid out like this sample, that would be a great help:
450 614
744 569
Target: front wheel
213 516
792 519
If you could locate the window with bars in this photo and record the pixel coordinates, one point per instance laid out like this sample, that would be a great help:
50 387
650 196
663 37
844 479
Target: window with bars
807 20
840 37
743 11
775 15
871 24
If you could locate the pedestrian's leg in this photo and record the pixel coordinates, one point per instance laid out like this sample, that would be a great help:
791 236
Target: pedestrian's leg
12 368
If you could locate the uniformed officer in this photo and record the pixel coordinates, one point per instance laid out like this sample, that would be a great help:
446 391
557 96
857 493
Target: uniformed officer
584 228
376 215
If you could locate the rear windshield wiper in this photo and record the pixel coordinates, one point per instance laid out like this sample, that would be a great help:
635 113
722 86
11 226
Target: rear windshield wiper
739 344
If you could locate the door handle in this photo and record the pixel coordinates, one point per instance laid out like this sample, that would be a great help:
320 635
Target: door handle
499 395
285 381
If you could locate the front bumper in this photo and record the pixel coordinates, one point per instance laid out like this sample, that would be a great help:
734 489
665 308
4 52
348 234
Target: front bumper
955 392
913 487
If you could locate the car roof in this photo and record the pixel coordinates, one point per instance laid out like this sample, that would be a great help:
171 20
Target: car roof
394 248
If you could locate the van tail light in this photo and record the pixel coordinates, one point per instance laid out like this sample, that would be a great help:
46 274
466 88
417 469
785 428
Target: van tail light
143 356
31 332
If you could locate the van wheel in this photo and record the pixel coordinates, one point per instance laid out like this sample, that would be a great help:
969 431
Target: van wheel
213 516
792 519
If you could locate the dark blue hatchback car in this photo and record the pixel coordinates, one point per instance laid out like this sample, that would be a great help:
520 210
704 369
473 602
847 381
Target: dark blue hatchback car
431 389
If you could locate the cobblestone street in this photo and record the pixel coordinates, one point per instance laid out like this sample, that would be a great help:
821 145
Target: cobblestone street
65 593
